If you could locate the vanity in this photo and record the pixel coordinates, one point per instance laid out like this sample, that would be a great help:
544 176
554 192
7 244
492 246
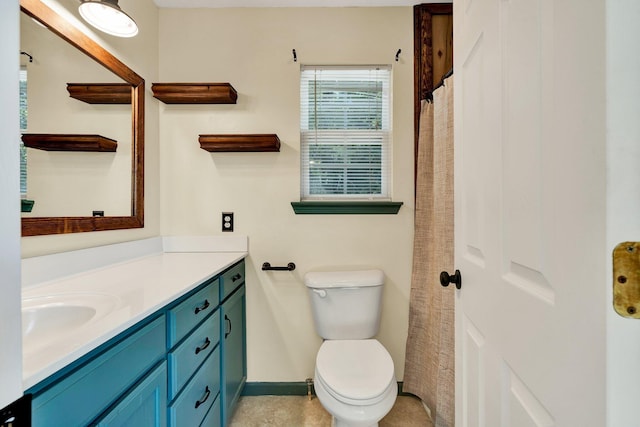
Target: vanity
163 343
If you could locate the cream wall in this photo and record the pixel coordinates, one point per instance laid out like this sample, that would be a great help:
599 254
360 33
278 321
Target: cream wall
140 54
251 49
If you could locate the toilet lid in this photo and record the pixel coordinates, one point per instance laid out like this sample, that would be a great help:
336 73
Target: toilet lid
354 370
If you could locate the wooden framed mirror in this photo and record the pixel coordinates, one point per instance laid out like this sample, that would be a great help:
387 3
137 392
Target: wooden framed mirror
34 226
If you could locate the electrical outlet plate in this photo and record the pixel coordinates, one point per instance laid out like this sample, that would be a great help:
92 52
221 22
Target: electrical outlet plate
227 221
626 279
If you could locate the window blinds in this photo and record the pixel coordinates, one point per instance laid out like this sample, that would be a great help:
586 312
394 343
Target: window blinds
345 132
23 128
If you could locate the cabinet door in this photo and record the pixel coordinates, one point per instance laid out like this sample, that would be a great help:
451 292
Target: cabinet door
145 405
83 395
234 357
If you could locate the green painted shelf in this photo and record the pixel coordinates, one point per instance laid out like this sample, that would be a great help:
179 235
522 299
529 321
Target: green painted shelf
346 208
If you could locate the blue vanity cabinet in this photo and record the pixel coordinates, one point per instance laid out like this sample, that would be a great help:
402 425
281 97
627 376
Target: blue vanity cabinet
214 416
194 356
231 280
183 366
144 405
184 316
187 357
233 338
77 395
194 401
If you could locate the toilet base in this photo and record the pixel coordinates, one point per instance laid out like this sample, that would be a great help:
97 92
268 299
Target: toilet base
344 415
338 423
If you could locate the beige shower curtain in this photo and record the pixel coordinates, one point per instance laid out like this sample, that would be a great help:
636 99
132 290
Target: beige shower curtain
429 364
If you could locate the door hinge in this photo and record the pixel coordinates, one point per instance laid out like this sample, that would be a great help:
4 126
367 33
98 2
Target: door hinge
626 279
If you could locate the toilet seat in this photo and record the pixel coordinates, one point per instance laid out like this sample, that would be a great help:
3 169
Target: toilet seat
357 372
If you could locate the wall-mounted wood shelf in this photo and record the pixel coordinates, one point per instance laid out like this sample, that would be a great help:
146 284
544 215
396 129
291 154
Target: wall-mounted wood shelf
101 93
240 143
195 93
68 142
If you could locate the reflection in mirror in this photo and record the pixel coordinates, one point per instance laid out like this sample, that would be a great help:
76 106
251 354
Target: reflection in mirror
69 186
71 183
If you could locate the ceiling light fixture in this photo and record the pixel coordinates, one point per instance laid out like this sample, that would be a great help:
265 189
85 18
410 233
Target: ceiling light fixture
107 16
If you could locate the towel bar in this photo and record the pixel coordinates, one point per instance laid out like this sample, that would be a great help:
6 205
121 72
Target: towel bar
289 267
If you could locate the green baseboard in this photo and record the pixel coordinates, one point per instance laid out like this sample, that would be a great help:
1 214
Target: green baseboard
275 389
288 389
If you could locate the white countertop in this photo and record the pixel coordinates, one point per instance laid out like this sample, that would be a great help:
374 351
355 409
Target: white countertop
132 289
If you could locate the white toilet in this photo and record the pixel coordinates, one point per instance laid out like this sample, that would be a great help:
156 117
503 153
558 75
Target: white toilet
354 377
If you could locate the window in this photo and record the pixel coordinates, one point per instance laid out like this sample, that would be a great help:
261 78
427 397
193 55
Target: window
345 133
23 128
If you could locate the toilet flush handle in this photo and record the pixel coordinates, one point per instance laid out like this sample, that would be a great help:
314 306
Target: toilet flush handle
320 292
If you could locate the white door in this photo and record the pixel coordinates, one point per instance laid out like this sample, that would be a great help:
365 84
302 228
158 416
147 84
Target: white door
530 213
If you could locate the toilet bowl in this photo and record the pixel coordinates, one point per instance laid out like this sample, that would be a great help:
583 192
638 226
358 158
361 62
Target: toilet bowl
354 374
355 381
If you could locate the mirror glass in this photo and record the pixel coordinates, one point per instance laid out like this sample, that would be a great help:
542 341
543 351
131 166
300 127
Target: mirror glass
68 186
71 183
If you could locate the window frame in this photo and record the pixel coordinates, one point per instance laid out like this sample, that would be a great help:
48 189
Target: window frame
24 109
312 132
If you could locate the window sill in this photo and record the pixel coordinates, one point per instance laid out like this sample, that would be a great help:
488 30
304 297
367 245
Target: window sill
346 208
26 205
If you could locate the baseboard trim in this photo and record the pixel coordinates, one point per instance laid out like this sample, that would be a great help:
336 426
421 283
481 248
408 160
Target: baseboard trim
298 388
275 389
401 392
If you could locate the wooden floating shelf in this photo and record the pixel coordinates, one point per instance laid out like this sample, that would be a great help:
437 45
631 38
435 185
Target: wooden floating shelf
68 142
101 93
240 143
195 93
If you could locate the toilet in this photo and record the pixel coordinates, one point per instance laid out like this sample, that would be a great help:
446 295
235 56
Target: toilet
354 375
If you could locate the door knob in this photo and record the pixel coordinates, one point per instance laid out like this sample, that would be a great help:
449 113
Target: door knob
446 278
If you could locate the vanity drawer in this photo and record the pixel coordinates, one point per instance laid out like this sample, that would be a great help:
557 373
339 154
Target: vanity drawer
194 401
186 358
77 398
231 280
213 418
186 315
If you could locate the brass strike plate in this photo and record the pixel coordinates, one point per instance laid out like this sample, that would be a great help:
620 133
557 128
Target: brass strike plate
626 279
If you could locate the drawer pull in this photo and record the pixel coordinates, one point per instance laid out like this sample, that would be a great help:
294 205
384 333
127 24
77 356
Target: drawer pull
228 322
207 341
207 393
204 307
236 277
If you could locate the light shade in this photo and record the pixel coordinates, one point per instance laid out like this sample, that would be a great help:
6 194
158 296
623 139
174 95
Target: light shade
107 16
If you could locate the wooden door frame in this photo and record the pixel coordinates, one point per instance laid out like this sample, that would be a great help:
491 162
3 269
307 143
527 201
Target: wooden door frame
423 59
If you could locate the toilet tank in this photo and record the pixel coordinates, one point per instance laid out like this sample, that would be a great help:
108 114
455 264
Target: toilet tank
346 304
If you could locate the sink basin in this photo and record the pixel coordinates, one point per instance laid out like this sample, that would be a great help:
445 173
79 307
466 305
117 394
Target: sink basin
45 317
41 321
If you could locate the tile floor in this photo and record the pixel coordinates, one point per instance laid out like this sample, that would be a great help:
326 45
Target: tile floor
299 411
